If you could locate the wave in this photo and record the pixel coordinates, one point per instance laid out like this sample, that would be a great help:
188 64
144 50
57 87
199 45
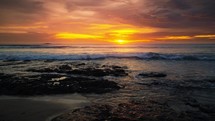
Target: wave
142 56
50 46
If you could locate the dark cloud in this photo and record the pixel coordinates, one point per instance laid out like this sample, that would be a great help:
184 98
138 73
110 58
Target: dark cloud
20 11
27 6
180 14
84 4
165 13
10 38
178 4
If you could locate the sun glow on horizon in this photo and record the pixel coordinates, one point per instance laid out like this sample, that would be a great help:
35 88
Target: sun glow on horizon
120 41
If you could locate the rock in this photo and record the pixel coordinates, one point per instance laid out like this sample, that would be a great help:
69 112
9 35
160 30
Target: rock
152 74
122 112
99 72
85 70
209 109
80 64
64 67
130 111
53 84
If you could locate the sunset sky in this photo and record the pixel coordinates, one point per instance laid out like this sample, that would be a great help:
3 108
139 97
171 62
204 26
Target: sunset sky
107 21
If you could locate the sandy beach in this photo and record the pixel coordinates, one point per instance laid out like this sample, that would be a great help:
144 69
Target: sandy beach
42 108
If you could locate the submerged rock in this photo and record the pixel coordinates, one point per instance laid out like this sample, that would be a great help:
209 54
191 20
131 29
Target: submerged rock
152 74
122 112
85 70
65 67
99 72
150 110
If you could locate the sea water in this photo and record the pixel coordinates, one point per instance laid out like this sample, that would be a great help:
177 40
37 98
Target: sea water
180 60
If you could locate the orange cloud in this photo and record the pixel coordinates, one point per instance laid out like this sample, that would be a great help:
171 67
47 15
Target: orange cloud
111 33
212 36
76 36
22 27
175 38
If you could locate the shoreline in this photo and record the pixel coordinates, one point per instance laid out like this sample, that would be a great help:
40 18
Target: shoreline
39 108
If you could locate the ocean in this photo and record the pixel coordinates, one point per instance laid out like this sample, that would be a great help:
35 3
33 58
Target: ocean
204 52
185 60
173 76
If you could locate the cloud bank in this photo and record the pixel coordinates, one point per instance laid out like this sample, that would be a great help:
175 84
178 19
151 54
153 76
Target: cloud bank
167 17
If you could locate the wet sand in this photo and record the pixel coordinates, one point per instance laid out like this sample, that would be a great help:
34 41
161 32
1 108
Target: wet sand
38 108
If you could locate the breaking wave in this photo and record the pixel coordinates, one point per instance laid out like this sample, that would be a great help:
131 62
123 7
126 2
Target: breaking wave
142 56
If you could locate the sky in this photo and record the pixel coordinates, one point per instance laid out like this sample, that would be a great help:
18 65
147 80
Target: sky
107 21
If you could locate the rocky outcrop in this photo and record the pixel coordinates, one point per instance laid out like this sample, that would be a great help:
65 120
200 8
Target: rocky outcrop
53 84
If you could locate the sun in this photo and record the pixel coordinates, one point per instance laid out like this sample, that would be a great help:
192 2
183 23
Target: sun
120 41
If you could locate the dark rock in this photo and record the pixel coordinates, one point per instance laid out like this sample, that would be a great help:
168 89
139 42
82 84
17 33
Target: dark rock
122 112
65 67
85 70
80 64
152 74
116 67
26 61
137 110
48 61
53 84
99 72
209 109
